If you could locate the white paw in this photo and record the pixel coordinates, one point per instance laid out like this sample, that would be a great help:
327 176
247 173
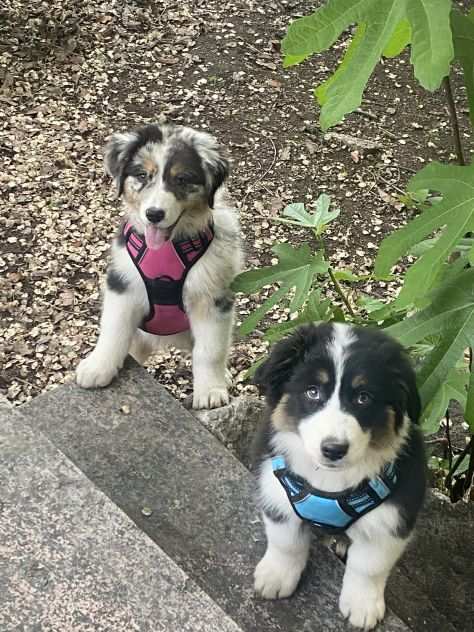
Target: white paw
363 607
93 372
276 578
210 398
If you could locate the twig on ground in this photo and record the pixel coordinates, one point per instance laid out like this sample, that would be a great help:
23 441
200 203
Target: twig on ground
261 177
368 115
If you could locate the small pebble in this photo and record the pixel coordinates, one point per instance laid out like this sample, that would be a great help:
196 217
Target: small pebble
147 511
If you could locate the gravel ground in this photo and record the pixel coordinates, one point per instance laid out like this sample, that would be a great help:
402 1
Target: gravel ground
73 72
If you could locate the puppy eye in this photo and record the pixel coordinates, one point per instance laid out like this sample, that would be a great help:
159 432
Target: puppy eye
141 176
183 178
363 398
313 393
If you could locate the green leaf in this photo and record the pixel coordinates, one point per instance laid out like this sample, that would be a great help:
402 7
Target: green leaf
463 40
298 214
470 256
316 220
453 388
296 269
321 91
384 27
345 93
454 215
315 310
419 249
348 275
469 410
369 303
451 316
399 40
431 40
249 324
292 60
250 372
317 32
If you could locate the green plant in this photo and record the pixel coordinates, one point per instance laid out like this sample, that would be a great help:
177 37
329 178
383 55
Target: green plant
434 312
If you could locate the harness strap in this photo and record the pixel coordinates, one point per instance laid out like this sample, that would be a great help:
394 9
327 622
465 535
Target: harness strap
334 511
164 272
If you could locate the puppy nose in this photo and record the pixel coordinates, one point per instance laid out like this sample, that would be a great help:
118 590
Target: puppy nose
334 450
154 215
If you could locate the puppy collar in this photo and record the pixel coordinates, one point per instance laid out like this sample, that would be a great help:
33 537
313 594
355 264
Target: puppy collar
334 512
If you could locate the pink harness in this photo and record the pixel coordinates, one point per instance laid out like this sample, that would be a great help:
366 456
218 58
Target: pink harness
164 271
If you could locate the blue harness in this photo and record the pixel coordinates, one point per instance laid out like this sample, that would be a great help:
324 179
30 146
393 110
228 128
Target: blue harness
334 512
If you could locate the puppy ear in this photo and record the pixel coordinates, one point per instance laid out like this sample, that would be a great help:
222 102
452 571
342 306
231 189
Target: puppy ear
272 375
219 171
116 154
404 381
413 397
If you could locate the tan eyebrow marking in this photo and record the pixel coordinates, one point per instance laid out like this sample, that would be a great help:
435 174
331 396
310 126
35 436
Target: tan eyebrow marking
323 376
359 380
176 169
150 166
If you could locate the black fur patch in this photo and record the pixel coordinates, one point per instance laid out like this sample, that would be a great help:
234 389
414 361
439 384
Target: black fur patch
183 171
219 172
411 483
275 516
388 372
115 282
286 356
260 448
225 302
143 135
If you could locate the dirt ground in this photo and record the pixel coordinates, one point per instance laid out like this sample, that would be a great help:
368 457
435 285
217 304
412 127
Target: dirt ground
72 72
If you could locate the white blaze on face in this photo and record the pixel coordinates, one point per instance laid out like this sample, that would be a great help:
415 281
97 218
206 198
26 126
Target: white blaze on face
155 195
331 422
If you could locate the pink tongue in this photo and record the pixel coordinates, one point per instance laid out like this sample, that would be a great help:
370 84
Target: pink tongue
154 237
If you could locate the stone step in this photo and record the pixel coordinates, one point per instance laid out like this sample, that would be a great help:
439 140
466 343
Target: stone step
71 561
142 448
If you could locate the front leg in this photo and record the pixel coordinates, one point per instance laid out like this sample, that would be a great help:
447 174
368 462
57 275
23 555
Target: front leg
288 539
369 563
279 571
123 310
211 330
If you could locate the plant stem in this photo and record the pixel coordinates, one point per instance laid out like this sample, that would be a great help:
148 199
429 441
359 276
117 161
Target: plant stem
458 462
454 120
337 285
470 471
448 437
340 291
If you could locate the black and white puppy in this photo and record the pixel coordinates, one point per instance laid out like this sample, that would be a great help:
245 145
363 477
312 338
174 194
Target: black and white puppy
342 412
170 179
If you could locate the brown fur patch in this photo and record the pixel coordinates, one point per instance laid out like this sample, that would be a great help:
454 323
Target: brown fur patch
323 376
280 418
385 435
359 380
150 165
176 169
